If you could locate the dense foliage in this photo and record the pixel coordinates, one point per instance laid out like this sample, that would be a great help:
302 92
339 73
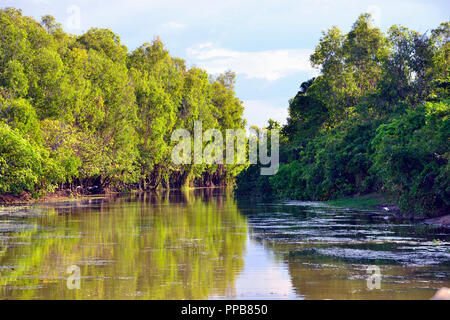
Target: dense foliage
82 113
375 119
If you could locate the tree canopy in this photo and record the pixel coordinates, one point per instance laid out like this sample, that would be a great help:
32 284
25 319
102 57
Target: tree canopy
376 119
83 113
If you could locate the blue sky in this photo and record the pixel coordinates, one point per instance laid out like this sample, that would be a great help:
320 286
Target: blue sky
267 43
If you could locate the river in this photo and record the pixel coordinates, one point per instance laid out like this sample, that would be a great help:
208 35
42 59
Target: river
205 244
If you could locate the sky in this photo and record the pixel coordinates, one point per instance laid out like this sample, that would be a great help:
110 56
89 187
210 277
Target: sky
266 43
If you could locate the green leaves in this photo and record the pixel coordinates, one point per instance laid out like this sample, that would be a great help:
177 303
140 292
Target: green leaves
79 111
21 164
411 156
20 115
375 119
14 78
350 66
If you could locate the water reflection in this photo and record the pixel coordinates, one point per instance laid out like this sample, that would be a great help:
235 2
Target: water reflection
327 251
205 244
169 246
264 276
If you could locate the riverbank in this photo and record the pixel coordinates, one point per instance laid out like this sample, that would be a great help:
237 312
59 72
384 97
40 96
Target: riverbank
443 221
67 195
26 198
386 204
375 201
383 203
367 201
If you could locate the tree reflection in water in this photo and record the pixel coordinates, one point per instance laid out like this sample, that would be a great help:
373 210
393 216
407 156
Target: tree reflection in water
151 246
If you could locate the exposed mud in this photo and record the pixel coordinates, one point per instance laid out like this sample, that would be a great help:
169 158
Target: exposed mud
443 222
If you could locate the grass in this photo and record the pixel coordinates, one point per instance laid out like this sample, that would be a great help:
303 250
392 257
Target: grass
366 201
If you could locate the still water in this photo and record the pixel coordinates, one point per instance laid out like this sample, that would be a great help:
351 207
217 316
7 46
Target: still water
205 244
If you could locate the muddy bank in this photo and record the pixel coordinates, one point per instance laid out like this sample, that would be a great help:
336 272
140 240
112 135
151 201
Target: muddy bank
394 212
443 222
10 199
68 195
386 206
26 198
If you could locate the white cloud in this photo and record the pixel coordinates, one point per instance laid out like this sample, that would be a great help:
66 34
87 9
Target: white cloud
375 11
41 2
269 64
173 25
257 112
